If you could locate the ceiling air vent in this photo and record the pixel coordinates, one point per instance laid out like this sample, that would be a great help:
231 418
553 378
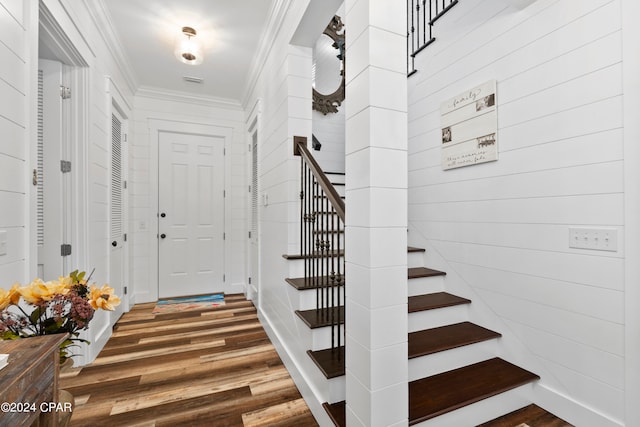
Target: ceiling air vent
193 79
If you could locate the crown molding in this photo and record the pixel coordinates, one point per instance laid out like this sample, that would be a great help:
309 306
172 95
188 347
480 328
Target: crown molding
275 21
177 96
103 22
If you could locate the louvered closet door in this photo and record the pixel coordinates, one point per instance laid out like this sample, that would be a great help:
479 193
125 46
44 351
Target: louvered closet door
117 211
48 175
191 214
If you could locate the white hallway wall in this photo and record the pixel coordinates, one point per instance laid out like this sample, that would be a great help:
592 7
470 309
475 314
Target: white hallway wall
15 56
18 87
501 229
283 89
283 85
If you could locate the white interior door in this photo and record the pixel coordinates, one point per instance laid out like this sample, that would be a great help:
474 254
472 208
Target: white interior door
53 185
190 214
117 213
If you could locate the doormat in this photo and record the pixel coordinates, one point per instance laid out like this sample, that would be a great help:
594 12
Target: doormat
200 302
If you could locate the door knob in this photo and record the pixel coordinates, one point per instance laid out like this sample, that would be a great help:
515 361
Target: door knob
114 243
162 236
163 214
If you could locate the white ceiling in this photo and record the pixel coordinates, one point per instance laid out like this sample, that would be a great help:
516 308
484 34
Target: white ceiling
229 32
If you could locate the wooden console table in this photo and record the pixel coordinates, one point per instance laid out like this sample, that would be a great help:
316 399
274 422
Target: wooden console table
30 380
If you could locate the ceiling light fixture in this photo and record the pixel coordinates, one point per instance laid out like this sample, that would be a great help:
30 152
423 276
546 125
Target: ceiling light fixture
188 51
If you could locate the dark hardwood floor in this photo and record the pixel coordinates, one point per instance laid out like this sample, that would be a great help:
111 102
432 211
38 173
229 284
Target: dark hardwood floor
197 368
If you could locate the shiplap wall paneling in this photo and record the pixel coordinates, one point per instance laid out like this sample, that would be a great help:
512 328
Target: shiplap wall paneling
501 230
13 124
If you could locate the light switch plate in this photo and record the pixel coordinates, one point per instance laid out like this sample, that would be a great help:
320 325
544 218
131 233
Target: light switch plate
597 239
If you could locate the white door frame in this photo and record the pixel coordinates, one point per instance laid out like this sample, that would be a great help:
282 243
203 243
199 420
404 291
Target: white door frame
77 74
71 50
157 126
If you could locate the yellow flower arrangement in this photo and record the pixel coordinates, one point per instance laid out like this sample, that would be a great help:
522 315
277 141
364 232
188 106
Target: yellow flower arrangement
103 298
65 305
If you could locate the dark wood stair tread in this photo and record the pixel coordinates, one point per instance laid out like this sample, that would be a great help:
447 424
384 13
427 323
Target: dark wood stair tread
416 272
443 338
337 412
532 415
319 318
341 252
434 300
314 255
436 395
304 283
330 361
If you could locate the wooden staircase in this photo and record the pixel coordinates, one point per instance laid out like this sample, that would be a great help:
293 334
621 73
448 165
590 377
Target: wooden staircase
439 393
450 367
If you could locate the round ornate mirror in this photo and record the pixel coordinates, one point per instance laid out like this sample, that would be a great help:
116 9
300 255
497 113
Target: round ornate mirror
329 73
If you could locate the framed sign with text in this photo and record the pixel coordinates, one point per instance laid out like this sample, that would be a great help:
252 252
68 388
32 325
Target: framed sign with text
469 125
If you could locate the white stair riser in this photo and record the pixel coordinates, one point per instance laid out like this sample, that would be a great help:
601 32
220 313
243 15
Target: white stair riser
321 337
328 390
426 285
425 366
439 317
484 410
334 177
307 298
296 267
415 259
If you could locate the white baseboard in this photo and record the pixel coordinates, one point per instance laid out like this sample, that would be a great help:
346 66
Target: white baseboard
570 410
315 405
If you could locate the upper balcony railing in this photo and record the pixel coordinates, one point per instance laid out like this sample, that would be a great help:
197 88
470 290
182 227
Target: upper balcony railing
421 15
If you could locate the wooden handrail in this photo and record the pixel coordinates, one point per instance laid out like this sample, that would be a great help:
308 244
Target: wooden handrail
300 143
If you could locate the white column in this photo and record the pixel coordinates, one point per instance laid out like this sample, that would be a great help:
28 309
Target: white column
376 206
631 105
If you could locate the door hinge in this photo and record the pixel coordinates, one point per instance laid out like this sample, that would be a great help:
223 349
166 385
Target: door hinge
65 249
124 290
65 92
224 193
249 189
125 237
249 280
224 236
224 151
124 137
224 277
65 166
124 184
249 234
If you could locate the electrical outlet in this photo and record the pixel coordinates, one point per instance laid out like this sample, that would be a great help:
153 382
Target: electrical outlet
3 243
598 239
